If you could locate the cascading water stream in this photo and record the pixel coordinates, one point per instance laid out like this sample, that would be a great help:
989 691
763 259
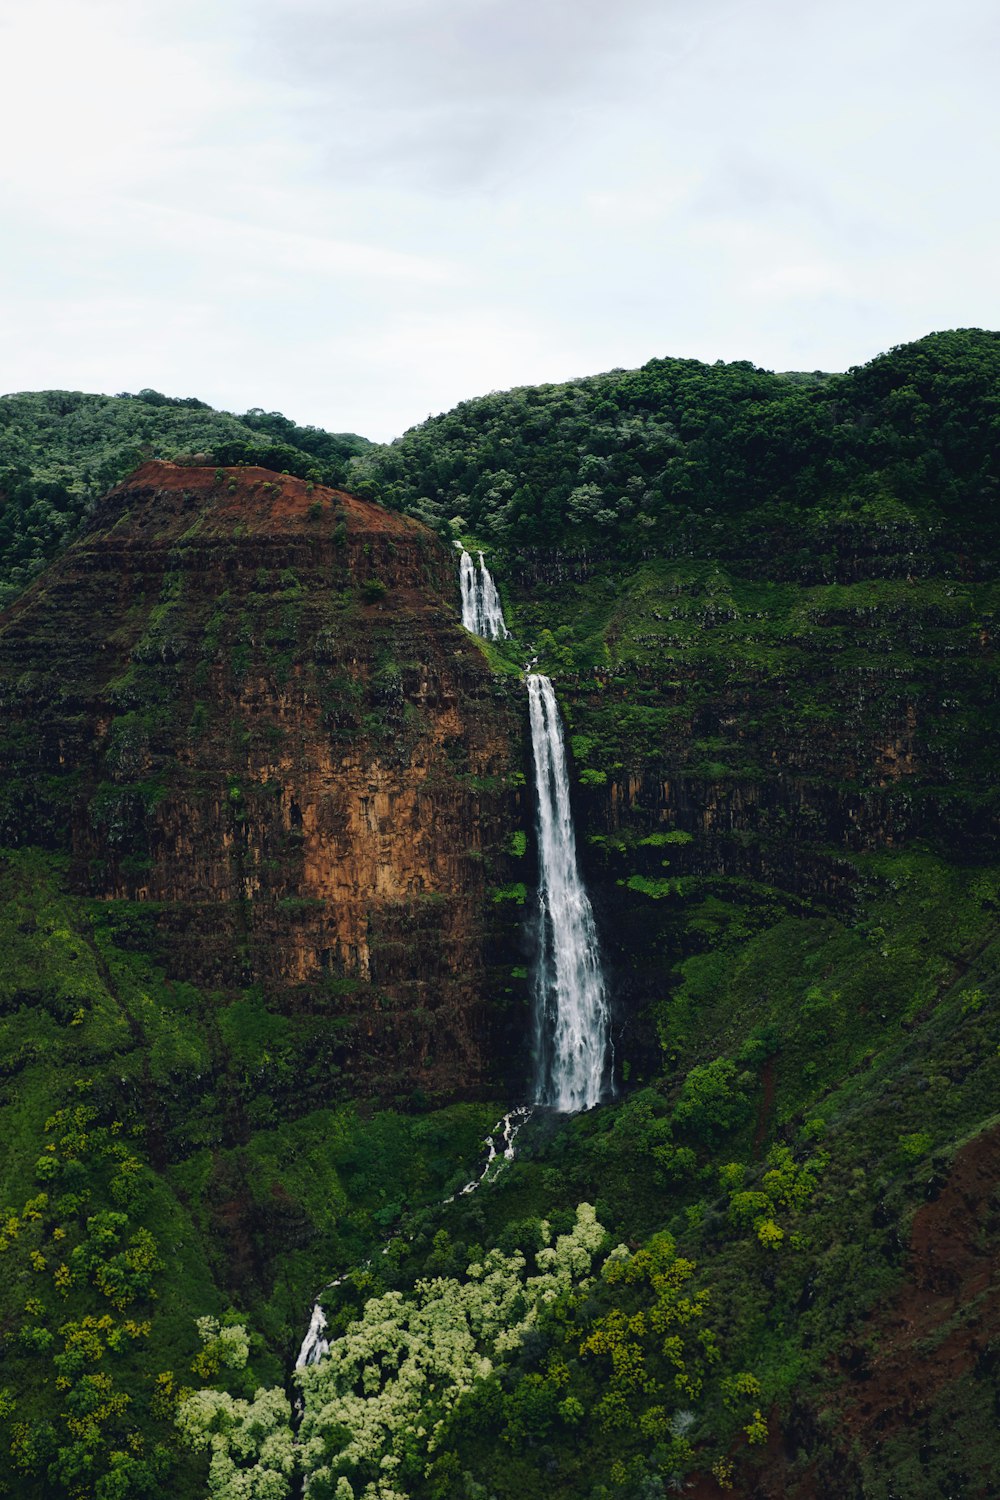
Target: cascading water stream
482 612
315 1345
470 599
571 1008
495 626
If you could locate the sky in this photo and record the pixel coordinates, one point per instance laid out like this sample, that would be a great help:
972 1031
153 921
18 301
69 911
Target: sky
360 212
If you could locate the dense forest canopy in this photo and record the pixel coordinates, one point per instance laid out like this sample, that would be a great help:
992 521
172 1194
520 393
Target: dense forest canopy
623 459
61 450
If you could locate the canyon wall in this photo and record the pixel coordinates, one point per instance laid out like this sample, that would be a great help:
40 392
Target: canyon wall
243 706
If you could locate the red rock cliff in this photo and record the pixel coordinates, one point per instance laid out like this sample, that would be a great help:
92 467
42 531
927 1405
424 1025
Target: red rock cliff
247 703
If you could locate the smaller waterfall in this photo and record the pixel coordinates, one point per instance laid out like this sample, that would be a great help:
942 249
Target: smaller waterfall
507 1129
482 612
314 1345
571 1008
494 624
470 598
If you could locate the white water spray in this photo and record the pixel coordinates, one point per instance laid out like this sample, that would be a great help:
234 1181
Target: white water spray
494 623
507 1129
571 1008
315 1345
470 602
482 612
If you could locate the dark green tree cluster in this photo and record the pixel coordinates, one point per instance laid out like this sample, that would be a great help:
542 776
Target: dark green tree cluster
627 458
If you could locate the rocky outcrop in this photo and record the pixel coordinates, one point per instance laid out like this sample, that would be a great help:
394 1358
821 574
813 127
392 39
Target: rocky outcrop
245 708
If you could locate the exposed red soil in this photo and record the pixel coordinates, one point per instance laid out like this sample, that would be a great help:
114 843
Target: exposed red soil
261 497
935 1331
305 645
953 1289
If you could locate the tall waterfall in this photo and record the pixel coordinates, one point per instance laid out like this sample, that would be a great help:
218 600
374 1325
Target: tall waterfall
571 1008
572 1048
482 612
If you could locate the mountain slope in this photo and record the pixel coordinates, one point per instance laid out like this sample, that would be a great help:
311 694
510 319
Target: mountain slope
682 458
61 450
276 740
776 657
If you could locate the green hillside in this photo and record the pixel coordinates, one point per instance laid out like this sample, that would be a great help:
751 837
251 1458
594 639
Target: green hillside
720 460
768 604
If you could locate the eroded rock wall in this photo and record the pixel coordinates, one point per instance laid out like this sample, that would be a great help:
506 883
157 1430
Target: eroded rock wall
245 705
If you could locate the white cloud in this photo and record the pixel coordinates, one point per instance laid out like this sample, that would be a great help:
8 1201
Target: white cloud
281 252
359 211
802 279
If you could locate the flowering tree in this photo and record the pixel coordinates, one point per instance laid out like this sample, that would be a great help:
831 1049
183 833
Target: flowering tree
375 1405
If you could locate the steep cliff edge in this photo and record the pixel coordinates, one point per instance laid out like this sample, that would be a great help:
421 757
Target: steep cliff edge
244 706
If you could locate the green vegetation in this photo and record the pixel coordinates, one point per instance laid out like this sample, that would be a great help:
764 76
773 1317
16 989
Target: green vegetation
61 450
717 460
517 892
769 605
150 1180
764 1192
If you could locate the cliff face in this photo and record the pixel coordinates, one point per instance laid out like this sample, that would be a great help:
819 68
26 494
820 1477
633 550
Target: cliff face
747 743
244 706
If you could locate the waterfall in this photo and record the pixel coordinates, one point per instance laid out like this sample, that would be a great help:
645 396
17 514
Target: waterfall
494 624
470 601
482 612
507 1129
571 1008
314 1345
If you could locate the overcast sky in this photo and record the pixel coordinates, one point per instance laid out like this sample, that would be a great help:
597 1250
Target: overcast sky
360 212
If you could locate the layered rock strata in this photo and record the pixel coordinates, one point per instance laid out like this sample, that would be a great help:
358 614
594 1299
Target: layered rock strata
245 708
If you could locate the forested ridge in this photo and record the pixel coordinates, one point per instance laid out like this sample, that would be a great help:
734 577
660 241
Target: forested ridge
620 460
767 1268
724 454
